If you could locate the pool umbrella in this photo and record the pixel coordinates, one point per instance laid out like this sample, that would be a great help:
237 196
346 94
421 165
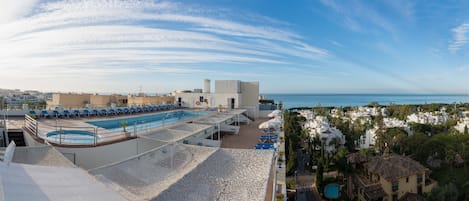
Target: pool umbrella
275 113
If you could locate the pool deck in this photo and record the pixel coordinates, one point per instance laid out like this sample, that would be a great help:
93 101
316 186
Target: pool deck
247 138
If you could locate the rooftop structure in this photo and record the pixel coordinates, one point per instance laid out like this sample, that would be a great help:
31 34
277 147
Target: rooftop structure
229 94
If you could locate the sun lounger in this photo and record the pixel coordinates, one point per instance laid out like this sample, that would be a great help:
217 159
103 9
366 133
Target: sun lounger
119 111
67 113
126 110
86 112
33 113
57 114
44 113
77 113
95 112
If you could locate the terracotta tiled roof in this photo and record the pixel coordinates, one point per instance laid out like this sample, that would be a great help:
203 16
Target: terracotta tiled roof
394 166
356 158
411 197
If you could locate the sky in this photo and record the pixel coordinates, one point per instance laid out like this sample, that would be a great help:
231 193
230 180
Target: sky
301 46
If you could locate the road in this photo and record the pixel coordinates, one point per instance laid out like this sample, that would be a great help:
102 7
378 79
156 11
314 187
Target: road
305 190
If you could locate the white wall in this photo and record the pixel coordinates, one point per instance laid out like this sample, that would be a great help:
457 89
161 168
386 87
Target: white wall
94 157
214 99
227 86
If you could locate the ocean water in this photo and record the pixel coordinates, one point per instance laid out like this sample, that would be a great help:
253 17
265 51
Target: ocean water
311 100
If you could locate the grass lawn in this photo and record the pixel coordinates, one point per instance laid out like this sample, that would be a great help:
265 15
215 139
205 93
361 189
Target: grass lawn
457 176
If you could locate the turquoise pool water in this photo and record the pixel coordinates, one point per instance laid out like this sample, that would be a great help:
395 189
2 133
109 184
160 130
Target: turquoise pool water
331 191
148 121
72 137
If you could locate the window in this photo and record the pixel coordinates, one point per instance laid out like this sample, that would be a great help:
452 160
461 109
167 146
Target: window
407 179
419 179
394 197
395 186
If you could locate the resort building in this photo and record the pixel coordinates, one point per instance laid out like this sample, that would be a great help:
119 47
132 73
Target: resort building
74 101
389 177
463 125
318 126
433 118
367 140
148 100
228 94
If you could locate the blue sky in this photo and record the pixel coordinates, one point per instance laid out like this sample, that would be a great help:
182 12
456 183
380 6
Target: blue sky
303 46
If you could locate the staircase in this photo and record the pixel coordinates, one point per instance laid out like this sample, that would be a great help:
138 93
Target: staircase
17 136
2 154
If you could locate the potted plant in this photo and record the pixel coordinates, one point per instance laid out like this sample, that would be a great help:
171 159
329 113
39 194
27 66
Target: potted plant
124 126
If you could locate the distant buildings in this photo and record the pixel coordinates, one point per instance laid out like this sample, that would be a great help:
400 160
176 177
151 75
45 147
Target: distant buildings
389 177
74 100
433 118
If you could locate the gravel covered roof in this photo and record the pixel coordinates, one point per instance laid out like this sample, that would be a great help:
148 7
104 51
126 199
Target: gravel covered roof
43 155
144 176
228 174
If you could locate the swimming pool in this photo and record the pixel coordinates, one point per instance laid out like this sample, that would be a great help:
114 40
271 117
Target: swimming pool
148 121
331 191
72 137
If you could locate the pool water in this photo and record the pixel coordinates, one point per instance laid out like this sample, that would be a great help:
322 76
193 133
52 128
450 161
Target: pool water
148 121
331 191
72 137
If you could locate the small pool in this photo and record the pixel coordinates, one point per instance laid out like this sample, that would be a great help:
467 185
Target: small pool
72 137
148 121
331 191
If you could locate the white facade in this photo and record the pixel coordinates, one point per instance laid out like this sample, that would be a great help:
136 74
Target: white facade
428 118
319 126
369 139
464 122
228 94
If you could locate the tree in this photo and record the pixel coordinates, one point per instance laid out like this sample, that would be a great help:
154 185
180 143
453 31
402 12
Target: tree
465 130
381 140
291 159
340 159
448 192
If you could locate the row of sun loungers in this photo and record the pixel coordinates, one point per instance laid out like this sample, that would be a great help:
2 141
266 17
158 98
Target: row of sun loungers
101 112
265 138
266 146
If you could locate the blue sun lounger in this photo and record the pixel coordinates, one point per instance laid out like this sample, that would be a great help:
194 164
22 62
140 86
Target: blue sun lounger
33 113
57 114
132 110
126 110
67 113
119 111
77 113
87 113
268 138
44 113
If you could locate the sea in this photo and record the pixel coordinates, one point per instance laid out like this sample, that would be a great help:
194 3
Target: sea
338 100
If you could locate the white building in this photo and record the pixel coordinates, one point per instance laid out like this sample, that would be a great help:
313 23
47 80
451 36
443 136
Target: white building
319 126
228 94
364 114
464 122
369 139
428 118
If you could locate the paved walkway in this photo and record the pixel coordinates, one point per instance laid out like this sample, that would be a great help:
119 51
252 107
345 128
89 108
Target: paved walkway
247 138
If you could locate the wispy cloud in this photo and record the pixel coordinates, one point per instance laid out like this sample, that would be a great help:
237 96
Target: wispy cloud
459 37
95 38
356 16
